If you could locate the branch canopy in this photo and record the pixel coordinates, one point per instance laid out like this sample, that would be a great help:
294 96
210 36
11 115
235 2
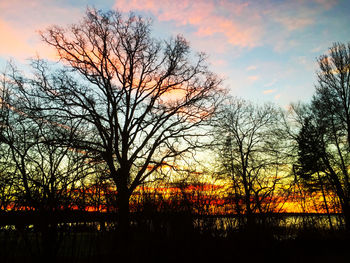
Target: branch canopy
141 101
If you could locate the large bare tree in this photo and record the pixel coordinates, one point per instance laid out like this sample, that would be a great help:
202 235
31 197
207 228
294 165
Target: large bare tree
141 102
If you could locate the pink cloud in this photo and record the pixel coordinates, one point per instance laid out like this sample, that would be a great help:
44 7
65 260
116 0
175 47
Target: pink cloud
238 24
219 62
204 16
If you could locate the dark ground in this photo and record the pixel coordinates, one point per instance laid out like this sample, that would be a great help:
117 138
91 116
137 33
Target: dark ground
237 246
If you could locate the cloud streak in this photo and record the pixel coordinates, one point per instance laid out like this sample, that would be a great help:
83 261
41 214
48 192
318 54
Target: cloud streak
269 91
250 68
206 17
243 24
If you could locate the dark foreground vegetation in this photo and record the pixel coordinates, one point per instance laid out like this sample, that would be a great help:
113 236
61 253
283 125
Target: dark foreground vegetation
174 237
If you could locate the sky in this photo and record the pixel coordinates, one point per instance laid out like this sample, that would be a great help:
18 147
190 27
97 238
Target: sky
265 50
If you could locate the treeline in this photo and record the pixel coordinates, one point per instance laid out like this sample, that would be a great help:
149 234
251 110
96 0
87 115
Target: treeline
124 112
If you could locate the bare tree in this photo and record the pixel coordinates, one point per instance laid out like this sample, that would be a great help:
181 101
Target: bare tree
43 167
248 151
141 102
324 137
6 181
40 172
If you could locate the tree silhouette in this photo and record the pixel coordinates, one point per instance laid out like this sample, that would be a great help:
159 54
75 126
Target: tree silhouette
249 154
6 180
41 172
140 102
324 138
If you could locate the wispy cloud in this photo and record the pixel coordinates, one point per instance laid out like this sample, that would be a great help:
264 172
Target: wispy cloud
268 91
222 24
244 24
208 18
277 96
294 23
253 78
271 83
219 62
327 4
250 68
318 49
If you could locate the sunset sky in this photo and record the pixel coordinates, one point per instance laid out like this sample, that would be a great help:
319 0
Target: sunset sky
265 50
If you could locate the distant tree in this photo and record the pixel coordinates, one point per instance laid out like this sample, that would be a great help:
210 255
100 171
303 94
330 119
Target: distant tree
3 109
44 169
38 171
324 138
248 151
6 181
141 102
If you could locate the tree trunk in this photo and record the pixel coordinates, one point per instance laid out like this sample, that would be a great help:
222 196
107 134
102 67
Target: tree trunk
123 212
343 198
346 213
248 212
49 239
123 220
325 202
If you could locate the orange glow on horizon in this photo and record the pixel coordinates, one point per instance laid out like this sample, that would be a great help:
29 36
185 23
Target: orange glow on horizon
205 199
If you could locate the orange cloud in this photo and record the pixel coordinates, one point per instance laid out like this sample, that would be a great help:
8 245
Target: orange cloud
253 78
11 42
268 91
22 43
20 22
